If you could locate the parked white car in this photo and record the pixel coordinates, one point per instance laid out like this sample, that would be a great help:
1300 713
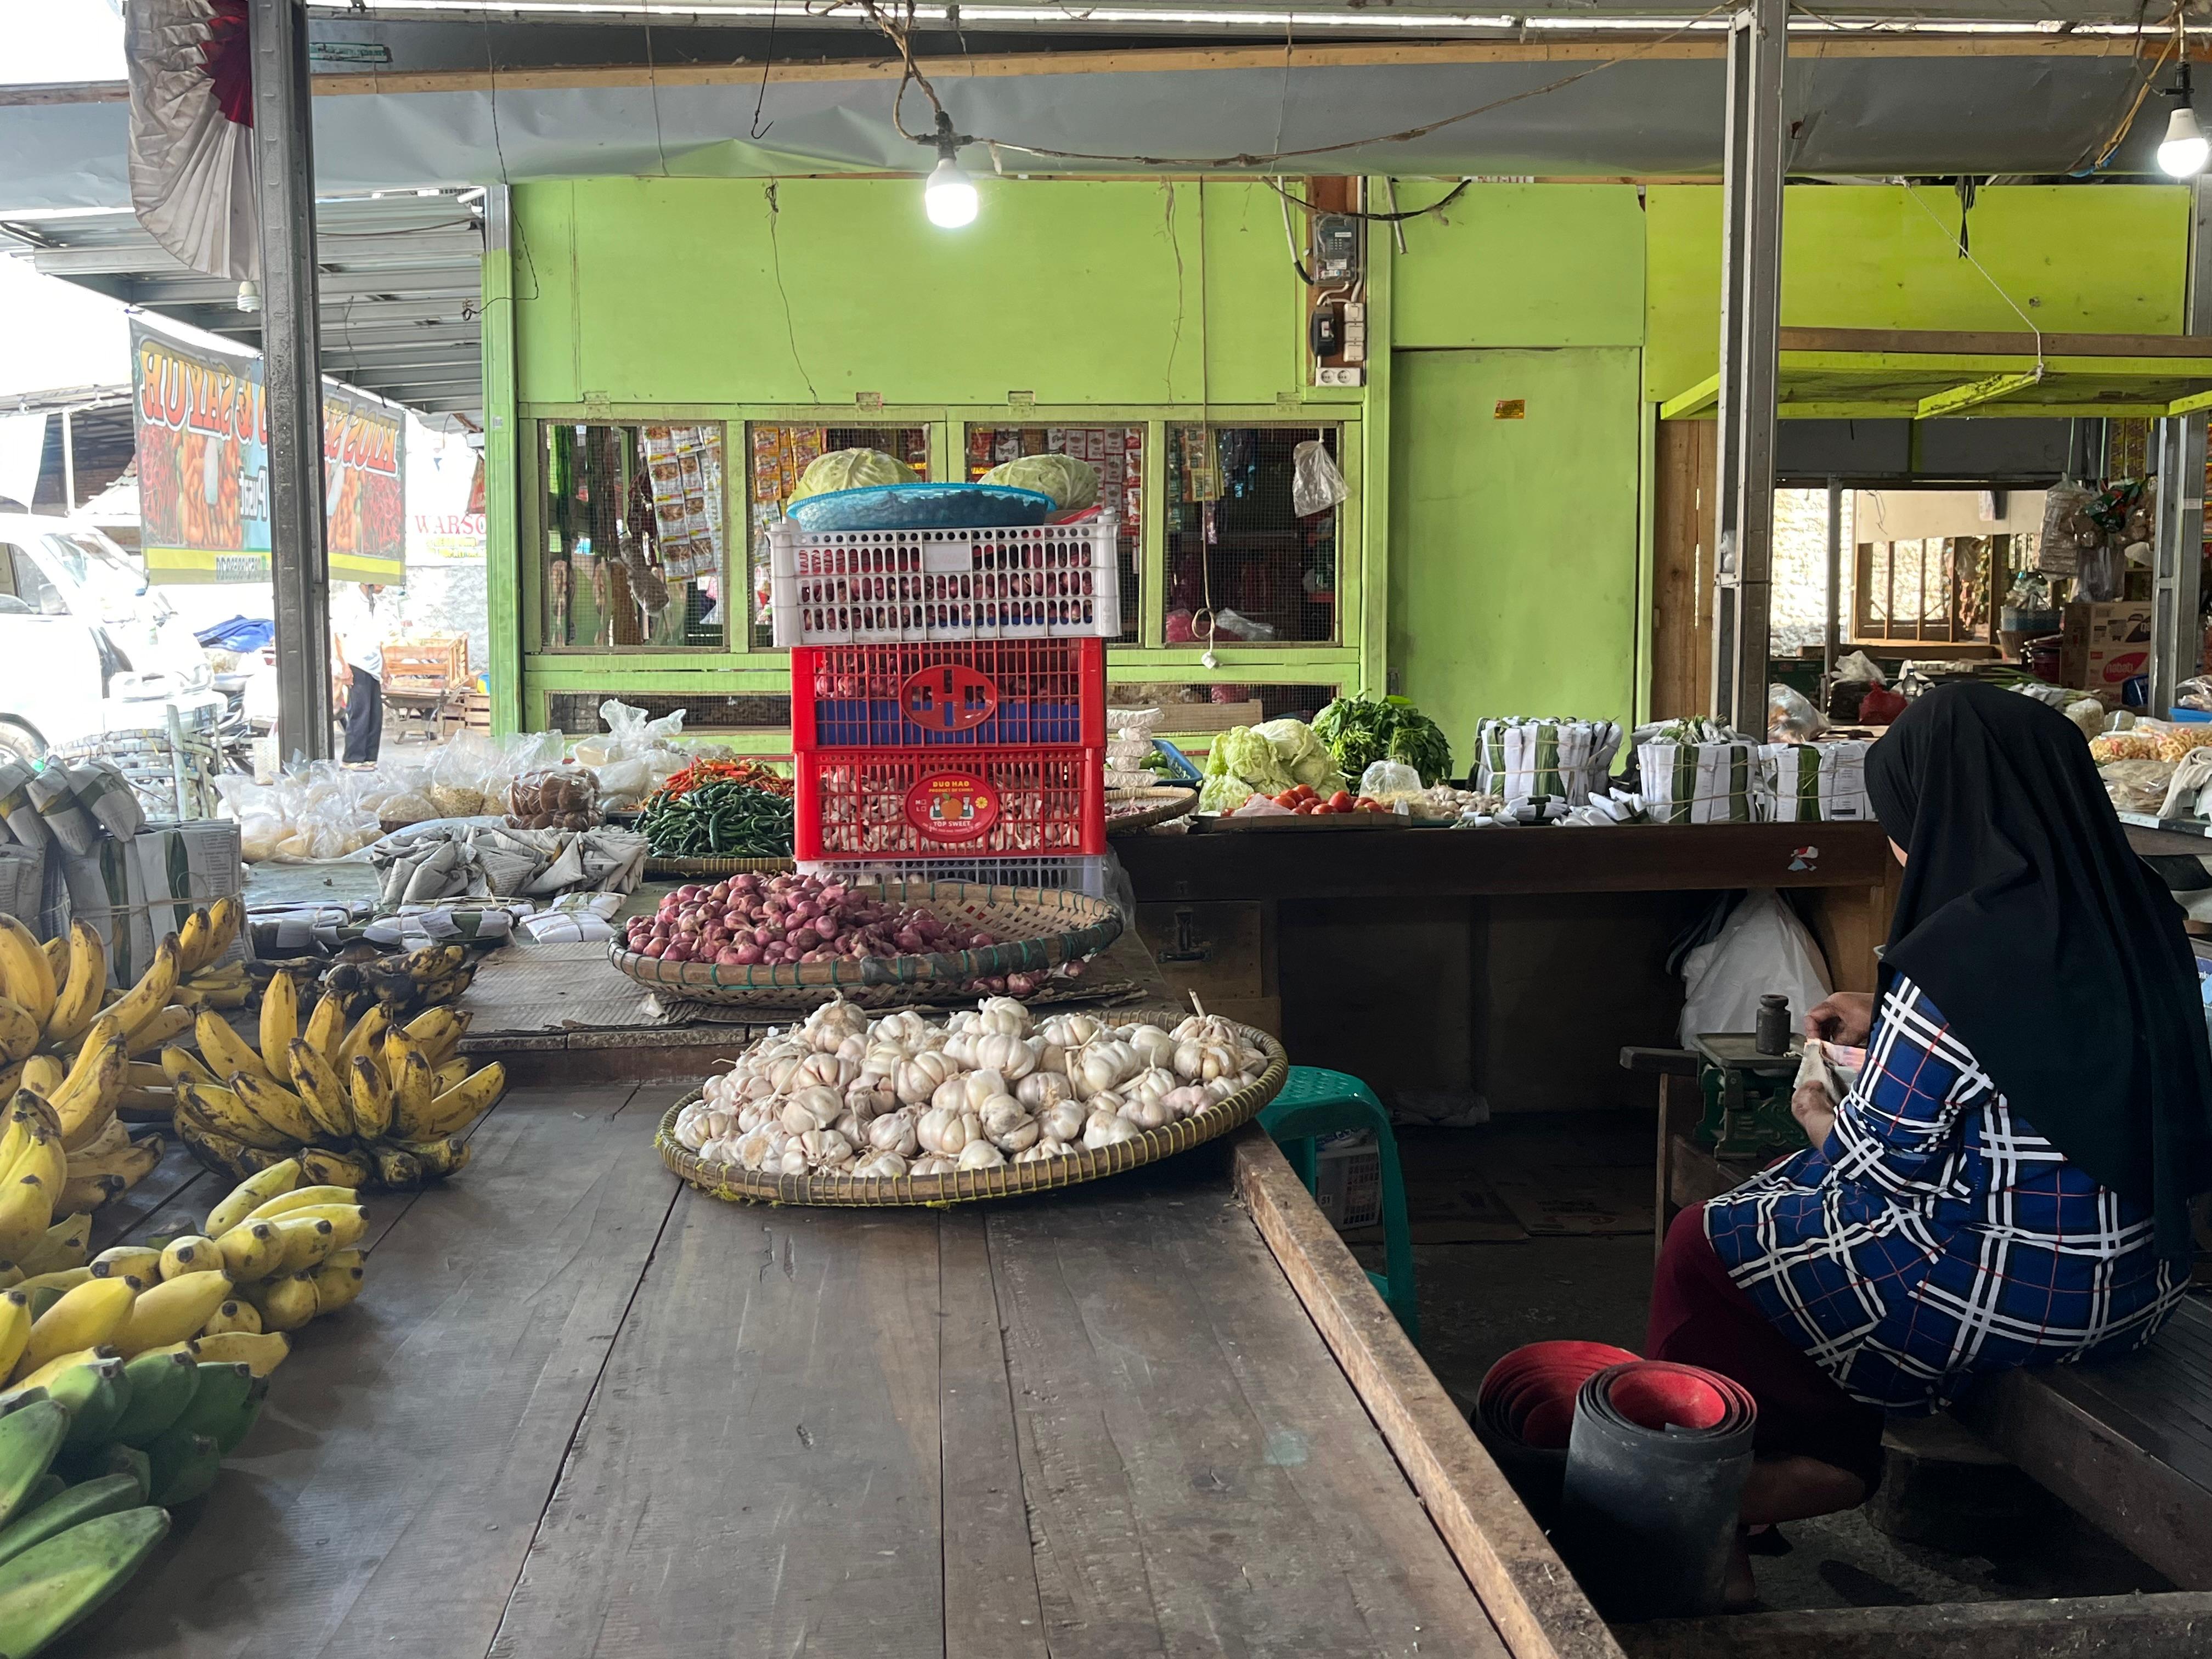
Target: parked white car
85 642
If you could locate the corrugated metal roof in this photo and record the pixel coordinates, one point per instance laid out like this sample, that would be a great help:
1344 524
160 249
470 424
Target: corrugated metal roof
401 280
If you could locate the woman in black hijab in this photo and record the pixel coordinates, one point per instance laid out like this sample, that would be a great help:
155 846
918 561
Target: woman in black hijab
2007 1182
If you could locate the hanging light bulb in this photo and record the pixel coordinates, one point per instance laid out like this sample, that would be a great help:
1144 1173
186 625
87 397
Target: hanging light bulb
949 196
2185 152
249 296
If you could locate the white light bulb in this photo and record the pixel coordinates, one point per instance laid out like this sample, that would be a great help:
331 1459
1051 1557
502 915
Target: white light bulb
949 198
2185 152
249 296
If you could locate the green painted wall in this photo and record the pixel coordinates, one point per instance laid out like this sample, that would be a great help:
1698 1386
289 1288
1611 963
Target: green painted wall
2076 258
1513 586
812 291
1521 265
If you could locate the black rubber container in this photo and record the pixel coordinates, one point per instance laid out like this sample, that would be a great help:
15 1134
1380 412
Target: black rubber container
1656 1468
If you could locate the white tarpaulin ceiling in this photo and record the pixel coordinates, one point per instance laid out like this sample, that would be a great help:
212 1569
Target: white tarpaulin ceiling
2007 107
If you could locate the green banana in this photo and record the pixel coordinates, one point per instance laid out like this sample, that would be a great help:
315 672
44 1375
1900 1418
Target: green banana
17 1400
229 1435
185 1465
28 1440
51 1486
71 1507
116 1459
162 1381
96 1395
51 1586
217 1397
43 1296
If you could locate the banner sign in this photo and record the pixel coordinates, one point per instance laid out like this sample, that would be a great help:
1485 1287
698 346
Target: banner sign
203 432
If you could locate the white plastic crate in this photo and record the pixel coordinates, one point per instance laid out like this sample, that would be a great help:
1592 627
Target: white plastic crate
866 586
1348 1180
1091 877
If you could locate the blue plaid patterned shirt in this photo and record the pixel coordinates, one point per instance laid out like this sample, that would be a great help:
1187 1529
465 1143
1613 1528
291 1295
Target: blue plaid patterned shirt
1935 1234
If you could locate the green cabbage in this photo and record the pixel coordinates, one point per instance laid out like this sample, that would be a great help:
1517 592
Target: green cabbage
1264 759
1072 484
1302 754
851 469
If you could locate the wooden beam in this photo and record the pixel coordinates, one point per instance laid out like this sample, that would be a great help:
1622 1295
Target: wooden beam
2153 1626
1700 399
1523 1585
1960 399
1920 342
2190 405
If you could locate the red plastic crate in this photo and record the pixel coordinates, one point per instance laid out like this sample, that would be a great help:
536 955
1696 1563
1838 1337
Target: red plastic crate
880 803
983 694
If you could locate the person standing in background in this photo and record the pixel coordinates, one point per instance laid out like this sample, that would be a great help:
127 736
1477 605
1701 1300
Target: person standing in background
358 664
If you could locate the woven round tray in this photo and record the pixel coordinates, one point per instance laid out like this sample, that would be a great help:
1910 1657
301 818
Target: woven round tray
663 868
739 1186
1150 807
1037 927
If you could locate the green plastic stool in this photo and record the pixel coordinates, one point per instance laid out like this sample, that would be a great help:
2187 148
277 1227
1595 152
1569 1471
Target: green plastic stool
1314 1102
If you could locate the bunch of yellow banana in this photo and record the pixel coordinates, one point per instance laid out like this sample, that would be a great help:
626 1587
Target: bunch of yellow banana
402 984
69 1038
374 1105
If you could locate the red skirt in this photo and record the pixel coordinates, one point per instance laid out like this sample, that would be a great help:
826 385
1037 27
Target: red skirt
1699 1318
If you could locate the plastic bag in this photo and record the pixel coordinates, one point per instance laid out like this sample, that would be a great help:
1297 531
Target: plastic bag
1763 950
2066 521
2102 569
1393 784
2194 693
2136 785
630 733
1858 666
1791 716
1316 485
554 797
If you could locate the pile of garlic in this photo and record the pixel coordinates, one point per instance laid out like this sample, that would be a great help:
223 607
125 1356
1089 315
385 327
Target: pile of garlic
845 1095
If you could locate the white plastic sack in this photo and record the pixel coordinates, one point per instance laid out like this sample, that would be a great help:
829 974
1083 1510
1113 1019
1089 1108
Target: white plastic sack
1762 951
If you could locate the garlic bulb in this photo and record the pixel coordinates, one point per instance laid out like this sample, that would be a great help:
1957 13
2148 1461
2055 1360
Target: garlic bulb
868 1104
1149 1085
812 1109
935 1163
759 1114
1002 1015
894 1132
1221 1088
917 1079
883 1059
945 1132
824 1146
832 1023
1153 1046
854 1047
1009 1055
1010 1128
780 1072
792 1161
951 1095
1187 1101
1041 1088
1108 1129
878 1165
960 1047
1100 1064
827 1070
757 1088
982 1087
1038 1153
755 1149
1202 1062
1069 1030
980 1155
852 1128
1106 1100
1147 1114
1062 1120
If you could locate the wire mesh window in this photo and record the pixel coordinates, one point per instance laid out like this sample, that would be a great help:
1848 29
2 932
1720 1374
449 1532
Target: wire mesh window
782 451
1117 451
577 712
635 542
1236 549
1936 590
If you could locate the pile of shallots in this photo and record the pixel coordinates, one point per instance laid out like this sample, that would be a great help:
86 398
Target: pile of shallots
846 1095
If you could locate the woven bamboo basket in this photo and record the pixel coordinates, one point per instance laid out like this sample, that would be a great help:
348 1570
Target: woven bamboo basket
687 869
741 1186
1149 807
1038 927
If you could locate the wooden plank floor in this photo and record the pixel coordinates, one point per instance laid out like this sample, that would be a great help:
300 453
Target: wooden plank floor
581 1411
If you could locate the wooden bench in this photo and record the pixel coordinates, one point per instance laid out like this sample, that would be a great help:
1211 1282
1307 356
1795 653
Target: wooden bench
425 679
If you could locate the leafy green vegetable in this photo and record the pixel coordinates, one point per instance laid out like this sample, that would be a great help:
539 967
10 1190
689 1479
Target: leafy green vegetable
1267 758
1072 483
851 469
1360 730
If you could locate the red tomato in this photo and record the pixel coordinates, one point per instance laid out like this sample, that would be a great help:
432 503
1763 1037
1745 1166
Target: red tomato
1340 801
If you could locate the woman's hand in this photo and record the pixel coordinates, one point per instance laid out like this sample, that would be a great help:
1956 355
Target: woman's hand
1844 1017
1815 1109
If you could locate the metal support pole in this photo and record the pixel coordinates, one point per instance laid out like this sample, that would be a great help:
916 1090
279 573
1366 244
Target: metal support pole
284 182
2177 630
1832 641
1751 273
69 468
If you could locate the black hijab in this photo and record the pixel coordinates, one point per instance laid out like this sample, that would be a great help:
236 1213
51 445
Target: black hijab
2052 949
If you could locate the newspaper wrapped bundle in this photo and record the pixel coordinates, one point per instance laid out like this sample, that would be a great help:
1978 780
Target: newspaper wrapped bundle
1699 772
1527 758
1815 782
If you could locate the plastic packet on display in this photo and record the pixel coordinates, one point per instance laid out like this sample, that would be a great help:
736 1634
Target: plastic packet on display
1316 484
1791 716
1393 784
2136 785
